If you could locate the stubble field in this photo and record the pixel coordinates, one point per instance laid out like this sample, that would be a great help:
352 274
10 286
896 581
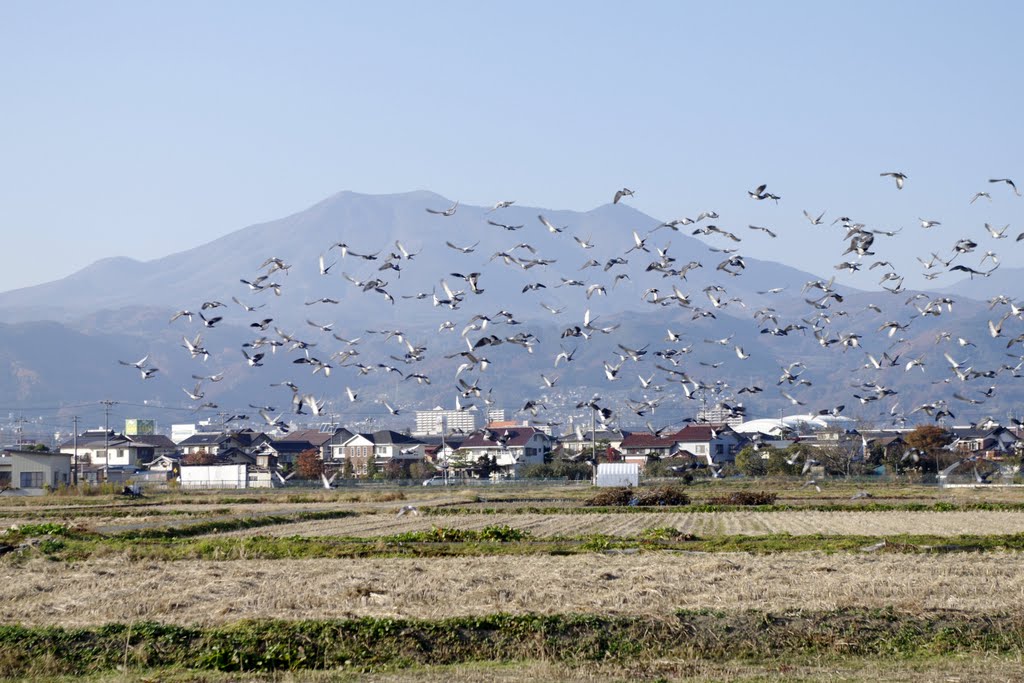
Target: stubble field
903 584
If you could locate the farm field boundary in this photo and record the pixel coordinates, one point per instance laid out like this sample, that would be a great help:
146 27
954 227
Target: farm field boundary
363 644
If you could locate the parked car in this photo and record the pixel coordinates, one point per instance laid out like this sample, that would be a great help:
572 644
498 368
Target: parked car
434 481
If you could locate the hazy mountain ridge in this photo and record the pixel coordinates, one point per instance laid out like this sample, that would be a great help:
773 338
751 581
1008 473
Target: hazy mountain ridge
118 309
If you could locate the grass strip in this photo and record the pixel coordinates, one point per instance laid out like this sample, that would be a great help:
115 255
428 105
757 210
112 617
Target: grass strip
441 542
368 643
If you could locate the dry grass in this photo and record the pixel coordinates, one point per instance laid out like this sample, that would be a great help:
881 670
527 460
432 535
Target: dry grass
751 523
206 592
853 670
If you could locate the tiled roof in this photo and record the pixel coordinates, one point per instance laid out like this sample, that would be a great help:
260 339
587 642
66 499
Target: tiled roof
646 440
93 442
699 432
386 436
313 436
517 436
154 440
289 445
202 439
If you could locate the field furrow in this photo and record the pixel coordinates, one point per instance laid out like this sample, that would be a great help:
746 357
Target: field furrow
751 523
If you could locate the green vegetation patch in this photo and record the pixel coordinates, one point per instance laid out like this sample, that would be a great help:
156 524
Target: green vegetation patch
498 540
369 643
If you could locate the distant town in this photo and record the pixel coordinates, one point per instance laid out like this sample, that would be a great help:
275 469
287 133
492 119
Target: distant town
448 446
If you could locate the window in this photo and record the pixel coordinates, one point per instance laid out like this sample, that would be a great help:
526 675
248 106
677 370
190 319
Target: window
31 480
5 479
718 449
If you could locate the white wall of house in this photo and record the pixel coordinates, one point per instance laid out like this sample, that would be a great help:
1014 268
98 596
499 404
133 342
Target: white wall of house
116 455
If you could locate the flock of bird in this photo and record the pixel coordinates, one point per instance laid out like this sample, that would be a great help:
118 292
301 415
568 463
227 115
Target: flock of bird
645 259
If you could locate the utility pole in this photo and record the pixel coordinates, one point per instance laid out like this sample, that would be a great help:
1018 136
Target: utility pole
593 440
106 430
19 430
74 457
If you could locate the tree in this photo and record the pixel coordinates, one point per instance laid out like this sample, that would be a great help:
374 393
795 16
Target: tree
396 469
371 466
931 441
347 470
308 464
751 462
764 461
843 457
200 457
420 470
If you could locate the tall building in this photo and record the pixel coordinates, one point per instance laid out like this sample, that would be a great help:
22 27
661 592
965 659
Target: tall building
441 421
133 427
718 414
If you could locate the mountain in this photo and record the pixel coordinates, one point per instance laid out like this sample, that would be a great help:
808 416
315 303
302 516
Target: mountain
368 224
1003 280
119 308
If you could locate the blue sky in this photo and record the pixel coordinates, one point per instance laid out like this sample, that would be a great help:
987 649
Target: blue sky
145 128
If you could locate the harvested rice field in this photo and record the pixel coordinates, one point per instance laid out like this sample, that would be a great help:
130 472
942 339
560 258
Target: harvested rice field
911 583
748 522
110 590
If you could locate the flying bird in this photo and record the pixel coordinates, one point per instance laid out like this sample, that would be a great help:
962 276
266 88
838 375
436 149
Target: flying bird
1008 182
621 194
450 211
897 176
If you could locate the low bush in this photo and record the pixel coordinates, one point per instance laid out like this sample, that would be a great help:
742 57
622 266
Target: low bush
387 496
610 497
657 495
745 498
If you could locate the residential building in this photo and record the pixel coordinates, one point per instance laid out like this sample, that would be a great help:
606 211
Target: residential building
99 448
510 447
992 441
581 440
33 471
380 447
718 443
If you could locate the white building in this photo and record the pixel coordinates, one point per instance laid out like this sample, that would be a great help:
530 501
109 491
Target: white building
441 421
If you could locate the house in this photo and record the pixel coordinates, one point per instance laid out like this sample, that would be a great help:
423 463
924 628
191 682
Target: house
382 447
715 443
202 442
718 443
101 448
582 440
509 448
334 447
164 463
215 442
888 445
639 447
161 445
32 471
991 441
323 439
281 453
438 450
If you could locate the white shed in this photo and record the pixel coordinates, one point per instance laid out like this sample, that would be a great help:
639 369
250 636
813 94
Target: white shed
618 474
214 476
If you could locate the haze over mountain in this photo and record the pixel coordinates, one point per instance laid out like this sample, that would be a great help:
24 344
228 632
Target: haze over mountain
118 309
